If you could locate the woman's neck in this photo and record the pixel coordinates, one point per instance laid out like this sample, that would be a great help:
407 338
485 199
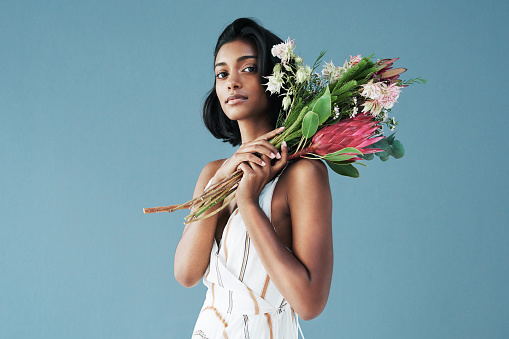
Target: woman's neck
250 130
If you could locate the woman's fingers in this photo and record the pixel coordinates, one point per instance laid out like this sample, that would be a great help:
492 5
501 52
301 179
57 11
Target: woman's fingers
261 147
244 167
272 133
248 157
284 158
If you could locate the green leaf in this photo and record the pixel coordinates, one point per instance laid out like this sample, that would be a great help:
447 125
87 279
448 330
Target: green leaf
346 150
390 138
349 86
342 98
310 124
383 144
338 157
295 114
368 156
322 106
398 151
384 154
346 170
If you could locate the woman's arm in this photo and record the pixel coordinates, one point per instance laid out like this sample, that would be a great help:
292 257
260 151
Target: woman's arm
193 250
304 276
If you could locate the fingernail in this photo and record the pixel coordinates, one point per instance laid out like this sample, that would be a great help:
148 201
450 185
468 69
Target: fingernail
272 156
263 163
283 144
278 155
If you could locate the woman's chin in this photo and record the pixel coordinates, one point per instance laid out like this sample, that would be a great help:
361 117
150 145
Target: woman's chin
236 114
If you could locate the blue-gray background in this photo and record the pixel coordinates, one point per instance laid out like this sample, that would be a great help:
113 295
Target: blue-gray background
100 107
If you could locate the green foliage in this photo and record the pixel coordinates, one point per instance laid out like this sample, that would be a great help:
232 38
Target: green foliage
344 154
322 106
369 156
358 71
310 124
412 81
398 151
349 86
390 138
391 146
347 170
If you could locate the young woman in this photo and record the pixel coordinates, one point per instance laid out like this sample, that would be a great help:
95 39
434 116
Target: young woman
267 257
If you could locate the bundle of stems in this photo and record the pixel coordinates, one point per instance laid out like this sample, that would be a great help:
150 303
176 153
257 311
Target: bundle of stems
222 192
321 120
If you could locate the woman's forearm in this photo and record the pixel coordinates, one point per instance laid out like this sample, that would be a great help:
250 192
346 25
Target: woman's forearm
306 290
193 250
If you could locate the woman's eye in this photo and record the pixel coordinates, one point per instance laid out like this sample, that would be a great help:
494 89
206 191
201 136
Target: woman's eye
221 75
250 69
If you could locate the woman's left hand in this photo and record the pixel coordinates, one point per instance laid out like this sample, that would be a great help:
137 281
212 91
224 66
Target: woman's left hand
255 177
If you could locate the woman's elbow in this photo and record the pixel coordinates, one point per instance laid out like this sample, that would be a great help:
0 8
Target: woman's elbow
186 282
185 277
313 305
312 311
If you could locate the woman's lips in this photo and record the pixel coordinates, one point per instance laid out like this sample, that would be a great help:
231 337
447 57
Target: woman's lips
235 99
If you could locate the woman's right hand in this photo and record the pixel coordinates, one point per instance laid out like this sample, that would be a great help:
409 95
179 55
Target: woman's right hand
250 152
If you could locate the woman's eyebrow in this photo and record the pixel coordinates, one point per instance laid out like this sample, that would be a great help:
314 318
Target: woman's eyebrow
242 58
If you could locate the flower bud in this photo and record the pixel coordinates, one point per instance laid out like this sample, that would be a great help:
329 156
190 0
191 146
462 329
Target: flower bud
286 102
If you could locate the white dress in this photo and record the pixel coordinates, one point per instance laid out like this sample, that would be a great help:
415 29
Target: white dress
241 300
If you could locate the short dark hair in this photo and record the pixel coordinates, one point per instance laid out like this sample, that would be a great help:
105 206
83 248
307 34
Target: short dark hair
248 30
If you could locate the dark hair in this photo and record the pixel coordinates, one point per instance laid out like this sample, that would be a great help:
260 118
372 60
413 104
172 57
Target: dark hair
248 30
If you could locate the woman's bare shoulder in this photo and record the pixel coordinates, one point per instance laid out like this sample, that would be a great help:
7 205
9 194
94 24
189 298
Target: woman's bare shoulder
305 180
307 170
212 167
206 174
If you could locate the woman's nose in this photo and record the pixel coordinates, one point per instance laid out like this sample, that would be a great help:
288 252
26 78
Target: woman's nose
234 81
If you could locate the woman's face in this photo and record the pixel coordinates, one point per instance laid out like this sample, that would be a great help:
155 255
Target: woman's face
237 81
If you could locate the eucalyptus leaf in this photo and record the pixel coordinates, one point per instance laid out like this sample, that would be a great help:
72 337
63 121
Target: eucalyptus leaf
310 124
368 156
346 170
398 151
384 154
390 138
383 144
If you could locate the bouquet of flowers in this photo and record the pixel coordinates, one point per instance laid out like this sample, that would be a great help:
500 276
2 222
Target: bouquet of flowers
337 115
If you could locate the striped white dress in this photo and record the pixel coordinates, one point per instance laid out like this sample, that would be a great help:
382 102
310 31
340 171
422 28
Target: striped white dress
241 301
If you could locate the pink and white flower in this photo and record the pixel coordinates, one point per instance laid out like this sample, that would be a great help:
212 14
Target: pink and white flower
390 95
355 60
303 74
372 107
275 83
332 73
283 51
372 90
381 96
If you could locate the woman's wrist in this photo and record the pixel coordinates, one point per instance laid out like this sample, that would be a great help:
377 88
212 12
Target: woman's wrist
247 201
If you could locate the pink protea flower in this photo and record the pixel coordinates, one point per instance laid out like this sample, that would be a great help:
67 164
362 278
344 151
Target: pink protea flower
354 132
